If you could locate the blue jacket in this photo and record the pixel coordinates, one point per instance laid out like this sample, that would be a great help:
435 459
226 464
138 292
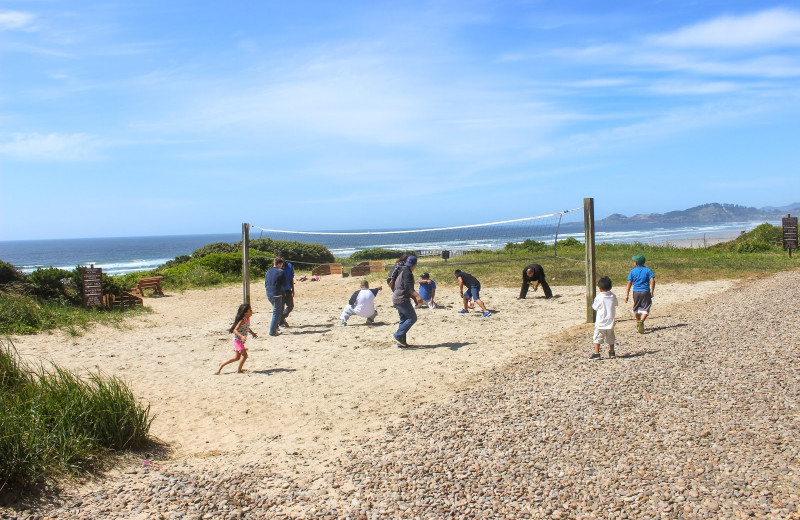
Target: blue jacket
274 281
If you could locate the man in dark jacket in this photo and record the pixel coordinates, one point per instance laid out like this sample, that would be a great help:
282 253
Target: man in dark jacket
273 282
401 298
534 273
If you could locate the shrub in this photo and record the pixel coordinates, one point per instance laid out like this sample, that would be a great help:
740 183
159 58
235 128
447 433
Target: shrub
570 241
378 254
230 263
527 245
300 252
9 273
178 260
52 283
216 247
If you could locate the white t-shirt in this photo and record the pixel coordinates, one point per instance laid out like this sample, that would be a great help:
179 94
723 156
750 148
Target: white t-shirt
365 303
605 303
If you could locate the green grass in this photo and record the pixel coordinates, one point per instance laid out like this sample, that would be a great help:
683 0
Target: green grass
23 314
53 423
670 264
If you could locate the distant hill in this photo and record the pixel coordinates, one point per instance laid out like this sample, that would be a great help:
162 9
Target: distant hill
705 214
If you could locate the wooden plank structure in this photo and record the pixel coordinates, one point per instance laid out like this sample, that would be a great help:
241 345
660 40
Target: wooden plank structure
324 269
363 268
150 282
126 299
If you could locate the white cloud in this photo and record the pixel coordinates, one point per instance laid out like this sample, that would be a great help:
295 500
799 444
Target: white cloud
16 20
63 147
775 27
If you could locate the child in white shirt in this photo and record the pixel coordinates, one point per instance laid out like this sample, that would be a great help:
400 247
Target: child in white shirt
605 303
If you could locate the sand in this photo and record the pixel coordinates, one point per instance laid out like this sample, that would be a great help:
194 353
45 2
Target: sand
317 388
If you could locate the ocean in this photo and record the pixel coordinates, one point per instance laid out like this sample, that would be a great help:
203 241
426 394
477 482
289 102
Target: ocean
130 254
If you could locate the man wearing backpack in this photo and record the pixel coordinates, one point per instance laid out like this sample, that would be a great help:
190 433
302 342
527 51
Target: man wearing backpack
401 298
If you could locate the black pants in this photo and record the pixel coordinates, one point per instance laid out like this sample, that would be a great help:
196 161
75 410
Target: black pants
538 277
288 304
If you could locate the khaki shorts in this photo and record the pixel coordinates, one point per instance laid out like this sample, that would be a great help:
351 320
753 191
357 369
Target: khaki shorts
604 336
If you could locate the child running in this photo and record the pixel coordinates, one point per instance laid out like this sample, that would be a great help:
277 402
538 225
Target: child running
605 303
240 328
644 286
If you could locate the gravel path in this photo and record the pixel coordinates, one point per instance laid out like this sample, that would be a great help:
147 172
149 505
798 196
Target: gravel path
697 418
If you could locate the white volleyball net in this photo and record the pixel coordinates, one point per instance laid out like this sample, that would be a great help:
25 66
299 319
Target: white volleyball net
541 233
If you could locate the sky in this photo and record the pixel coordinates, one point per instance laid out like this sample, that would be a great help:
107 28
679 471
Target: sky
136 118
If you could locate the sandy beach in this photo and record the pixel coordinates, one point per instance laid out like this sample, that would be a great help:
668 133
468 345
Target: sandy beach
321 394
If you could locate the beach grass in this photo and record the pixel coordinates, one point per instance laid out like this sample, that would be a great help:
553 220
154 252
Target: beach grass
54 423
24 314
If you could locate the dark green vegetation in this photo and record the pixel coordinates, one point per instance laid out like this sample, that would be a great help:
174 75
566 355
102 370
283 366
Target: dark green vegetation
54 423
51 298
374 254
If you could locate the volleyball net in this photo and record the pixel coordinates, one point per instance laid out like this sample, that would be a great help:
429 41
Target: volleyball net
537 235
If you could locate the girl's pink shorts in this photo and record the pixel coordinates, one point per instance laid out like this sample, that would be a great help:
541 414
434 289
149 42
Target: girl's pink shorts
238 346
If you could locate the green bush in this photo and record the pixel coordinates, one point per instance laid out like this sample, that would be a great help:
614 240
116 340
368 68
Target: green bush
230 263
53 283
377 254
56 423
216 247
299 252
570 242
9 273
178 260
527 245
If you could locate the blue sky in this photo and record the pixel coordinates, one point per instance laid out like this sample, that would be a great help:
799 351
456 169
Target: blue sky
177 117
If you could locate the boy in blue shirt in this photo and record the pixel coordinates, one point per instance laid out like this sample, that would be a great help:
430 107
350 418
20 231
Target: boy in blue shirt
643 281
427 290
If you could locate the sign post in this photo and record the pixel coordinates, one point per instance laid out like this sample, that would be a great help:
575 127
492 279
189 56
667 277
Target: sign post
93 287
789 233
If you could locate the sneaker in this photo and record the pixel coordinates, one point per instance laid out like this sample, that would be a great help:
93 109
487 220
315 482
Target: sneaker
370 321
640 327
487 314
343 323
399 342
462 311
612 354
594 357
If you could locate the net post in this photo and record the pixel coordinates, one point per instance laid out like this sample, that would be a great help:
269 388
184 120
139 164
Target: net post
555 240
591 272
246 263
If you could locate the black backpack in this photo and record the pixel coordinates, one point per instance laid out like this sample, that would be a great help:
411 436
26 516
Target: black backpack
393 275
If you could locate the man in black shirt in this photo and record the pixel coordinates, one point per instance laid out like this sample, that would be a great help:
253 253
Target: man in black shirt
534 273
473 291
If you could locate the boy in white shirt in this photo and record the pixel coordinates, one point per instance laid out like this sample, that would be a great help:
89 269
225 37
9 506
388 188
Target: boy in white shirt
605 303
362 303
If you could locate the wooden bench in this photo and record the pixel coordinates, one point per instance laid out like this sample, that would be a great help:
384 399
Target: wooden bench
126 299
324 269
151 282
367 267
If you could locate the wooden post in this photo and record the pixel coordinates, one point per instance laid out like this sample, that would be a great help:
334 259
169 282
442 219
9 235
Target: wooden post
591 273
246 263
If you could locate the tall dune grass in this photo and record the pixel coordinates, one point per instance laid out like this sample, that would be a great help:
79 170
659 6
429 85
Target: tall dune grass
54 423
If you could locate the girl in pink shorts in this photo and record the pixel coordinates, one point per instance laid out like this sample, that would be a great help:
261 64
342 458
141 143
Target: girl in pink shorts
240 328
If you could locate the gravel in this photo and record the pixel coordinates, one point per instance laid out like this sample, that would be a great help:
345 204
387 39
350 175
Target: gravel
696 418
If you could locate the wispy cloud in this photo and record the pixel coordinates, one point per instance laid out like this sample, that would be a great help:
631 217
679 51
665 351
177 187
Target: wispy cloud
50 147
16 21
774 28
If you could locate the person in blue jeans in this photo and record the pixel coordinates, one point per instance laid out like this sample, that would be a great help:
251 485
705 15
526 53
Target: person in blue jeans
287 289
401 298
273 282
473 291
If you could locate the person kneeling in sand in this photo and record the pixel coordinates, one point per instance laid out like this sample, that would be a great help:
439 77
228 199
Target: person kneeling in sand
362 303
